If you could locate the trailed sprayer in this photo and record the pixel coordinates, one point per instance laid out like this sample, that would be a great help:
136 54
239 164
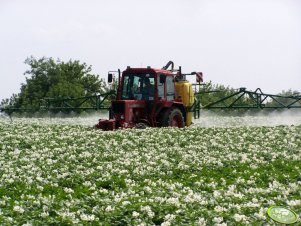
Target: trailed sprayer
149 97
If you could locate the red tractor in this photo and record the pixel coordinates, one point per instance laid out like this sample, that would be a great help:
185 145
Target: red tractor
148 97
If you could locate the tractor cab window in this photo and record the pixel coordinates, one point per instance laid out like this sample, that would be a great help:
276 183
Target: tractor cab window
160 89
170 88
138 87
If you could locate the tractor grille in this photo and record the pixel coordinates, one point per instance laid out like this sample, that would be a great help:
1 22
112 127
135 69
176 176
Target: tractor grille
118 107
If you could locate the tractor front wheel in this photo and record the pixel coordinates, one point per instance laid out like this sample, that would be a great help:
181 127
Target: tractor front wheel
172 117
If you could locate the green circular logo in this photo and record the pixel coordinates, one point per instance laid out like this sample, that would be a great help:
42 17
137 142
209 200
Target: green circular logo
282 215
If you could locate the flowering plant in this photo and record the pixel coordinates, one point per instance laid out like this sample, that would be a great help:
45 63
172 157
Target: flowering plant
71 174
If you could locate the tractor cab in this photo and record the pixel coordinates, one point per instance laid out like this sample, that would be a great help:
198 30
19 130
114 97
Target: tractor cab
138 85
140 95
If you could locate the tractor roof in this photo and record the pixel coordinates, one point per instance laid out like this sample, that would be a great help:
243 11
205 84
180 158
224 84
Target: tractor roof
148 69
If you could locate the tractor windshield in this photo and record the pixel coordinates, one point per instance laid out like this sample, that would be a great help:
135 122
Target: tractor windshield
138 87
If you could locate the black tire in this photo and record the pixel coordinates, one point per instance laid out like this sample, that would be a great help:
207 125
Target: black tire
172 117
141 125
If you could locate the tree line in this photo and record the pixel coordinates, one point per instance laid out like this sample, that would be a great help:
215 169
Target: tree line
211 93
48 78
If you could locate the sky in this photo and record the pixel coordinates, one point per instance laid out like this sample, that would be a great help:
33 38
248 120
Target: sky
237 43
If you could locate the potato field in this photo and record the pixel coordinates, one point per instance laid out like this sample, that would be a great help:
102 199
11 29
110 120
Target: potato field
57 172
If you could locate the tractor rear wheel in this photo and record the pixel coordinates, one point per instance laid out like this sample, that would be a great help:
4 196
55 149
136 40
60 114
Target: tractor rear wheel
172 117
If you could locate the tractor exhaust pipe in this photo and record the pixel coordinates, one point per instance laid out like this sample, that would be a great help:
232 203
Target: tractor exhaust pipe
168 64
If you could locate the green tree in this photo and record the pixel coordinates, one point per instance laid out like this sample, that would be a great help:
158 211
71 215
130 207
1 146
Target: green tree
221 96
49 78
214 92
281 99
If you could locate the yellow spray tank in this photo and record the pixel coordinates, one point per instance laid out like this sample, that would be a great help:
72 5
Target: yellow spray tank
185 92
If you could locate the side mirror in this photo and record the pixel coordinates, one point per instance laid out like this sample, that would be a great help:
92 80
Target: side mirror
162 78
110 78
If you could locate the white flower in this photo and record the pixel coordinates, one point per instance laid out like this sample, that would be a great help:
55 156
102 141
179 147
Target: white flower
135 214
173 201
44 214
141 224
216 194
17 151
238 217
166 223
27 224
218 219
87 183
219 209
87 217
109 208
169 217
201 222
124 203
68 190
148 211
18 209
40 188
294 202
261 214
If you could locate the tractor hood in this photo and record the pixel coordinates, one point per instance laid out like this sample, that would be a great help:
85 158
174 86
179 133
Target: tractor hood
128 112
